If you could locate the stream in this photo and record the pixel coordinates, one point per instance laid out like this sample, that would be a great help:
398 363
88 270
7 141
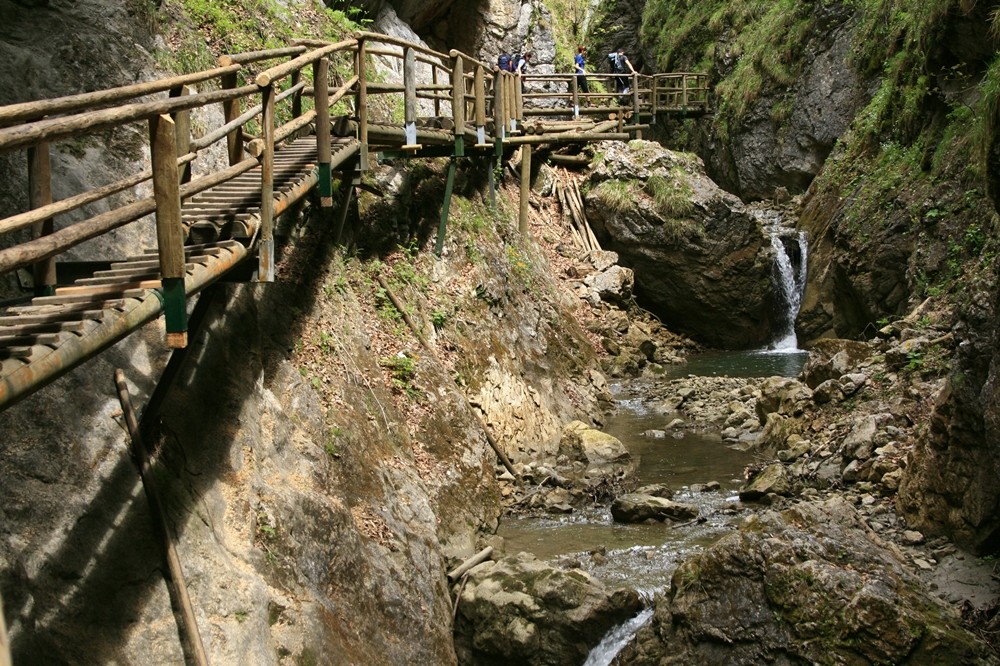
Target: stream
644 556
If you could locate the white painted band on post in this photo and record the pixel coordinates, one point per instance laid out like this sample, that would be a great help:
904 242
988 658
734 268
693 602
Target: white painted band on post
480 135
410 133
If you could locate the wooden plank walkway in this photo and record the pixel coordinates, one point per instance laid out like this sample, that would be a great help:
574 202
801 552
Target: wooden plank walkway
208 226
51 334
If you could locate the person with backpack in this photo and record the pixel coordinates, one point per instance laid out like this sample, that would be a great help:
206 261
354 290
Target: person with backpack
620 65
581 78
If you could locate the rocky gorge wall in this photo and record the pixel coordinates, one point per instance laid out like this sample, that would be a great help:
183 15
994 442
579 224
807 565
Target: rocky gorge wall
320 469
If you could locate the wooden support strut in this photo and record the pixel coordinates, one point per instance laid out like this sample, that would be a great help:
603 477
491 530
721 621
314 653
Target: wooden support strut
169 232
321 76
190 636
522 219
265 269
39 195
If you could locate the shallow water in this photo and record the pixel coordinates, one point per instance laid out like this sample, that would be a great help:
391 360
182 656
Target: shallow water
642 555
755 363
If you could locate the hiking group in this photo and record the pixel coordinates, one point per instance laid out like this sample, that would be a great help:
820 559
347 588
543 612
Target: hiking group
618 63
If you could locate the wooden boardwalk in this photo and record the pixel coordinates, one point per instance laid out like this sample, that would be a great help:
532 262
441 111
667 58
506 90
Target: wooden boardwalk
453 105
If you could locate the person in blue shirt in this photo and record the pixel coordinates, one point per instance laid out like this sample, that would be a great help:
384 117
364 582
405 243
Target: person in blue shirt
581 78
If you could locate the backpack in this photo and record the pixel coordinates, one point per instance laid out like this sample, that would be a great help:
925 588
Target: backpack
615 63
504 62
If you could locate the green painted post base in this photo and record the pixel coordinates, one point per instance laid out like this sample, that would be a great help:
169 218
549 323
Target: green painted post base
449 186
175 311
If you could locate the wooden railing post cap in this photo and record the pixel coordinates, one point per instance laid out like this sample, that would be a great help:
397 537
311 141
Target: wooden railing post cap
224 61
454 53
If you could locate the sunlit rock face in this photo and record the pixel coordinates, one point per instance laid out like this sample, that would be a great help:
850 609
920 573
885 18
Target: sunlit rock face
701 261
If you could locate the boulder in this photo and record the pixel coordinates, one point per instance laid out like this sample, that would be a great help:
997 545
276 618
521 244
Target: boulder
832 358
772 480
638 508
782 395
581 442
704 265
812 584
519 610
614 285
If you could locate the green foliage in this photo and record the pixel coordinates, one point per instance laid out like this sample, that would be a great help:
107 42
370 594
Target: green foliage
201 30
403 370
618 196
672 195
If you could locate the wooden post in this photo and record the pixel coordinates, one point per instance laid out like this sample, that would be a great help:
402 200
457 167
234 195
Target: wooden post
574 88
169 231
684 92
182 122
362 104
437 100
265 268
231 111
479 90
499 108
345 207
321 83
297 97
636 118
656 95
40 194
190 636
518 99
511 104
522 219
458 101
445 208
410 99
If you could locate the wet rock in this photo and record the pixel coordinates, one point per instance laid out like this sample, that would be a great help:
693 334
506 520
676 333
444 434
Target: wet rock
912 538
809 585
860 442
581 442
772 479
832 358
656 490
636 508
654 434
520 610
782 395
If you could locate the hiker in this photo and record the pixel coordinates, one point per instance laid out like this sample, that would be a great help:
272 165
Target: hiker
581 78
521 63
620 65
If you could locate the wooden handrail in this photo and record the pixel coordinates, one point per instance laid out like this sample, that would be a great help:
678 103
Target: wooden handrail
277 72
389 39
73 103
257 56
54 129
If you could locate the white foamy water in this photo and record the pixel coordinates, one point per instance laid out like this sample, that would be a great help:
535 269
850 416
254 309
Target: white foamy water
616 639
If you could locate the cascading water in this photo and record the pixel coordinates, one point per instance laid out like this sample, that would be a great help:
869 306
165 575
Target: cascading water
791 282
617 639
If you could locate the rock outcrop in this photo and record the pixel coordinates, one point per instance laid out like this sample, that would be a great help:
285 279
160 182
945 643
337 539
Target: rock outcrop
801 587
519 610
699 259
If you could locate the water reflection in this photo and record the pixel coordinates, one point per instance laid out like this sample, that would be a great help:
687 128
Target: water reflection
756 363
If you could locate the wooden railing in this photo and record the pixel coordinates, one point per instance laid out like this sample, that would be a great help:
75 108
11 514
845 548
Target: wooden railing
445 99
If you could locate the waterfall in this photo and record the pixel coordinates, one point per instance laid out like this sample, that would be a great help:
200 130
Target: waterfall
616 639
791 283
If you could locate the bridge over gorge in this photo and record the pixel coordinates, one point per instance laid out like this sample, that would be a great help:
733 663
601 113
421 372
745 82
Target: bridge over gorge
292 120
